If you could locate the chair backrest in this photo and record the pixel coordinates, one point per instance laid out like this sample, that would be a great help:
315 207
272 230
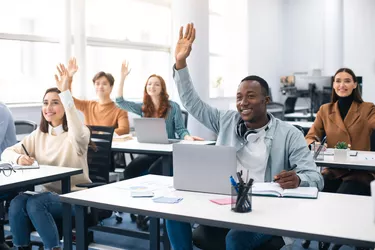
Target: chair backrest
24 126
372 141
300 129
100 159
290 104
276 109
185 116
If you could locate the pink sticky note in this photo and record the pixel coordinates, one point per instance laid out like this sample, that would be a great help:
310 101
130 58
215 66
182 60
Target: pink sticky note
224 201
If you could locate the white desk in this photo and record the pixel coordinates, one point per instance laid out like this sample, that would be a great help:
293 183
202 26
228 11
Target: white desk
301 108
30 177
365 160
164 150
299 115
342 219
305 125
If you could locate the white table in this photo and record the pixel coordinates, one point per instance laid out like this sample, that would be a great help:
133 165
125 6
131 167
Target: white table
164 150
305 125
31 177
342 219
299 115
365 160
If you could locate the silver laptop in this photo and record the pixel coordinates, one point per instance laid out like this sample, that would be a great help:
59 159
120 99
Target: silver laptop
203 168
152 130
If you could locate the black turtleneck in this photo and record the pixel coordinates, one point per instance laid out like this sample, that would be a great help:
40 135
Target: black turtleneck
344 105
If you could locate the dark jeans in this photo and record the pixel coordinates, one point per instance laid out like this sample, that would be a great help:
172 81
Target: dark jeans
144 164
346 187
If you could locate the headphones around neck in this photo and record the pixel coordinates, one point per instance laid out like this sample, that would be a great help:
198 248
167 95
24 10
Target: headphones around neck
248 135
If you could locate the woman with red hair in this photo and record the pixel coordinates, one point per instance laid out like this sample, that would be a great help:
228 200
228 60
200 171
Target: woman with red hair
156 104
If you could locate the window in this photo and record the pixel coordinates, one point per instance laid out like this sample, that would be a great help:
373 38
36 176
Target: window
36 17
27 70
129 20
142 64
29 48
228 63
138 31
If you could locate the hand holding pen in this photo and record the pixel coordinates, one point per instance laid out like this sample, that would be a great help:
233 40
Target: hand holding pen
25 160
288 179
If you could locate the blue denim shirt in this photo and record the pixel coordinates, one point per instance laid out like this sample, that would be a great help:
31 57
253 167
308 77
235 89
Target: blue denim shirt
285 144
7 129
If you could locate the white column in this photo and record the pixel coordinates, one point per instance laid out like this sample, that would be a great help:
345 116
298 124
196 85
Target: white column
79 47
195 11
333 36
66 39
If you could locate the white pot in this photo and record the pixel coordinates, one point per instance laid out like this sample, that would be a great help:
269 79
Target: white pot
340 154
217 92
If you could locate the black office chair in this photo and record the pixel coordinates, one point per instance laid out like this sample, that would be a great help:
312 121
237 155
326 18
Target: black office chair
290 104
185 116
372 141
25 126
277 110
300 129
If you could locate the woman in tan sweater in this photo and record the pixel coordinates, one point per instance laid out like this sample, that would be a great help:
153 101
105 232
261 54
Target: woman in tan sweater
61 140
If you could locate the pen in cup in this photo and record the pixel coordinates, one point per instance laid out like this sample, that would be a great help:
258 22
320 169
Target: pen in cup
233 182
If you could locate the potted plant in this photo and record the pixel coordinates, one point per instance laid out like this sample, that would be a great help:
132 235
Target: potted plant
341 151
217 87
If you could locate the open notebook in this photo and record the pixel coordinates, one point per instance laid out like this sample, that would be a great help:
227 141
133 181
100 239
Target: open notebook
274 189
7 165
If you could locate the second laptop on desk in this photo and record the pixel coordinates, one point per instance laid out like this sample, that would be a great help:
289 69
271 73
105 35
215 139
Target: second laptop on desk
206 169
152 130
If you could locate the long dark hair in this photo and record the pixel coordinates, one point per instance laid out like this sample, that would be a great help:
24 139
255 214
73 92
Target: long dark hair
148 107
43 126
356 92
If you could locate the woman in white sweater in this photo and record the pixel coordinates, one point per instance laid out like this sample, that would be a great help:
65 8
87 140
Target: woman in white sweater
61 140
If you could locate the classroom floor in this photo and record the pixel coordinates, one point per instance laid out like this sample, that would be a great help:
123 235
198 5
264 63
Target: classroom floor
116 242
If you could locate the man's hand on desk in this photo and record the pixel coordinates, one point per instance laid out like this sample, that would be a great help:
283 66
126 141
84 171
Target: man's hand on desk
24 160
193 138
287 179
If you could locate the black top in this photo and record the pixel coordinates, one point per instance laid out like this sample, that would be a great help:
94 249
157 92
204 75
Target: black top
344 105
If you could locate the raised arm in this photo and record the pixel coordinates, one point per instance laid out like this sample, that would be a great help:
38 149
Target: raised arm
317 129
78 133
71 69
120 101
207 115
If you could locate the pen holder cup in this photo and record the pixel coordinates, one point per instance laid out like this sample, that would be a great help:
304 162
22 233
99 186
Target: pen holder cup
319 152
241 199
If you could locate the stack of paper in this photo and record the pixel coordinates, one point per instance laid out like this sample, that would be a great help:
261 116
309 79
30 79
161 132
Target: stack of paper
169 200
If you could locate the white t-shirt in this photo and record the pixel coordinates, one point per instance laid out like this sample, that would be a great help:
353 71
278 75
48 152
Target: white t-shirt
252 158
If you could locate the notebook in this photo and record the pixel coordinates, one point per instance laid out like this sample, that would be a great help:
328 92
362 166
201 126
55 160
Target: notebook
7 165
274 189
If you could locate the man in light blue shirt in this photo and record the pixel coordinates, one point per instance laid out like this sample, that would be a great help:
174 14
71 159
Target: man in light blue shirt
7 128
268 148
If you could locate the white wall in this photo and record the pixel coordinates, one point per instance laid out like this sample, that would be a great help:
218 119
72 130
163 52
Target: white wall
359 42
265 32
303 32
